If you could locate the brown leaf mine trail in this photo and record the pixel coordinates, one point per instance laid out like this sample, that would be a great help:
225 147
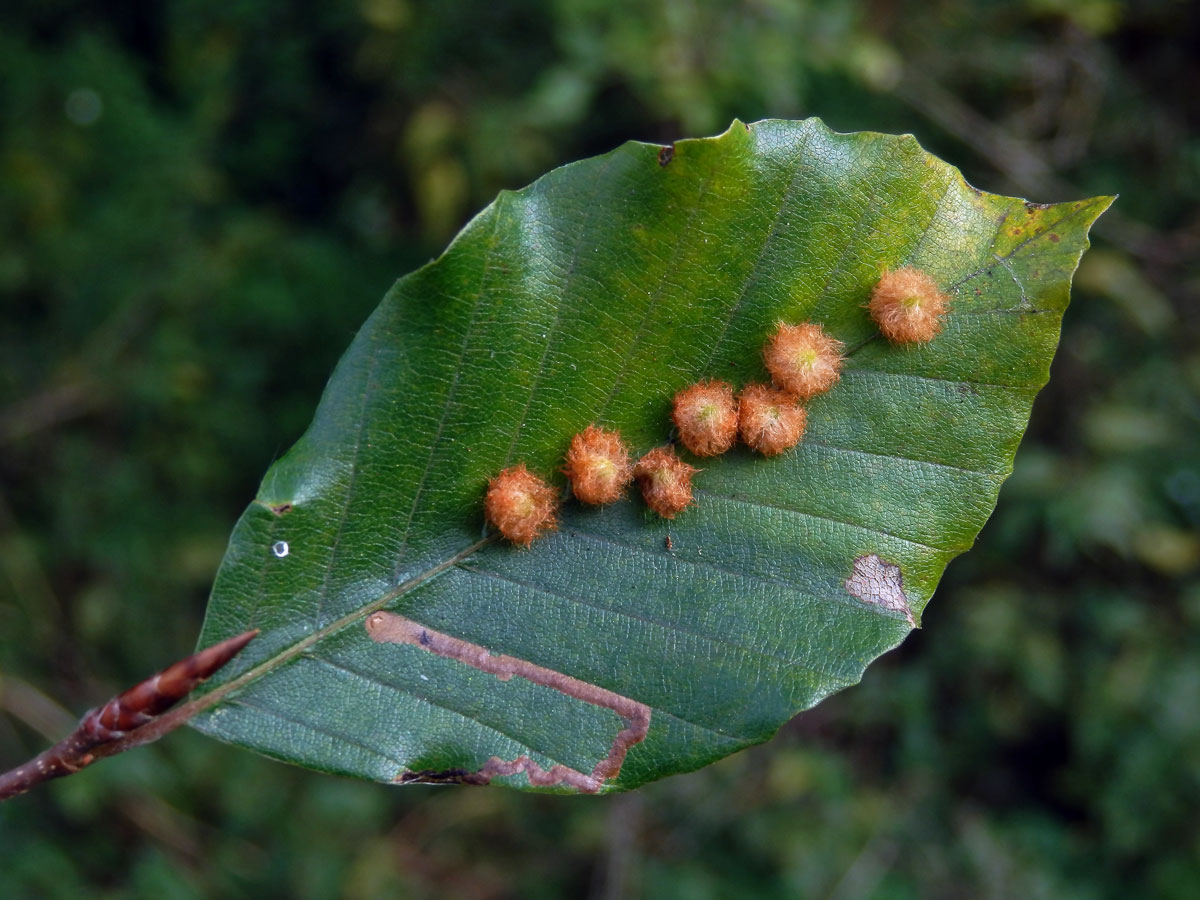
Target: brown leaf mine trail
390 628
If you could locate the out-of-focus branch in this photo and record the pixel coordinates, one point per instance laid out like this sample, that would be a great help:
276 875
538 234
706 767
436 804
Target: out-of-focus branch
1011 156
48 408
118 724
23 701
79 388
1019 162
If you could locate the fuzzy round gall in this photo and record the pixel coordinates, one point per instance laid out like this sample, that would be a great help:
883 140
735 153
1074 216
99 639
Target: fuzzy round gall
520 505
598 465
769 420
706 417
802 359
665 480
907 306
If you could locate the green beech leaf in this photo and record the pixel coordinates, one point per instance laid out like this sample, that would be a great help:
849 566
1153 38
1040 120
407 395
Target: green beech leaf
622 647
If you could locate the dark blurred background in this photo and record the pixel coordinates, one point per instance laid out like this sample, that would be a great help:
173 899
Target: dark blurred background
199 204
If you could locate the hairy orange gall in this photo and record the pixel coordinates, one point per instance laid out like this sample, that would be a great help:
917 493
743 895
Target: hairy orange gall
803 359
907 306
769 420
520 505
665 480
706 416
598 465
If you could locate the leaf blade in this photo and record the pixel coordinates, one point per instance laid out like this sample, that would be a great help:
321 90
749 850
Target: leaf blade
593 295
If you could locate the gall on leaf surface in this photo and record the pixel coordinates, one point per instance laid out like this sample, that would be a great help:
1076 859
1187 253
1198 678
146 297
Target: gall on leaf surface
593 296
598 466
665 480
706 417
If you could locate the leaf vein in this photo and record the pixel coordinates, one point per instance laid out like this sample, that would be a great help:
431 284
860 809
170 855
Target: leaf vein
805 591
335 547
558 310
752 277
422 698
762 504
795 662
453 389
993 476
277 714
652 304
1023 388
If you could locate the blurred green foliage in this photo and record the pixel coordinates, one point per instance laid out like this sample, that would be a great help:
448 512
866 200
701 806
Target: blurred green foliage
200 203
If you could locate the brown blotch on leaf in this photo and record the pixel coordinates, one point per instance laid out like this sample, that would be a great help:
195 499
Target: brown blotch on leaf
666 154
598 465
875 580
907 306
520 505
281 508
803 359
770 420
665 480
706 416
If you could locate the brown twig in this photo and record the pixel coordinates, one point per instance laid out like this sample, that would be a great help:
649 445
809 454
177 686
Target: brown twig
115 726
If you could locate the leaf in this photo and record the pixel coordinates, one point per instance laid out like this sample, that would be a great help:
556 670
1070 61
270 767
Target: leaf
592 296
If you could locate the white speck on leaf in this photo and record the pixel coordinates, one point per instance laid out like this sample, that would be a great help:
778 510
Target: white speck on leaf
281 549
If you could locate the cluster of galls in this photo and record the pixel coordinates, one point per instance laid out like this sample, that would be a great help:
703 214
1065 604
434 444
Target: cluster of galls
803 361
